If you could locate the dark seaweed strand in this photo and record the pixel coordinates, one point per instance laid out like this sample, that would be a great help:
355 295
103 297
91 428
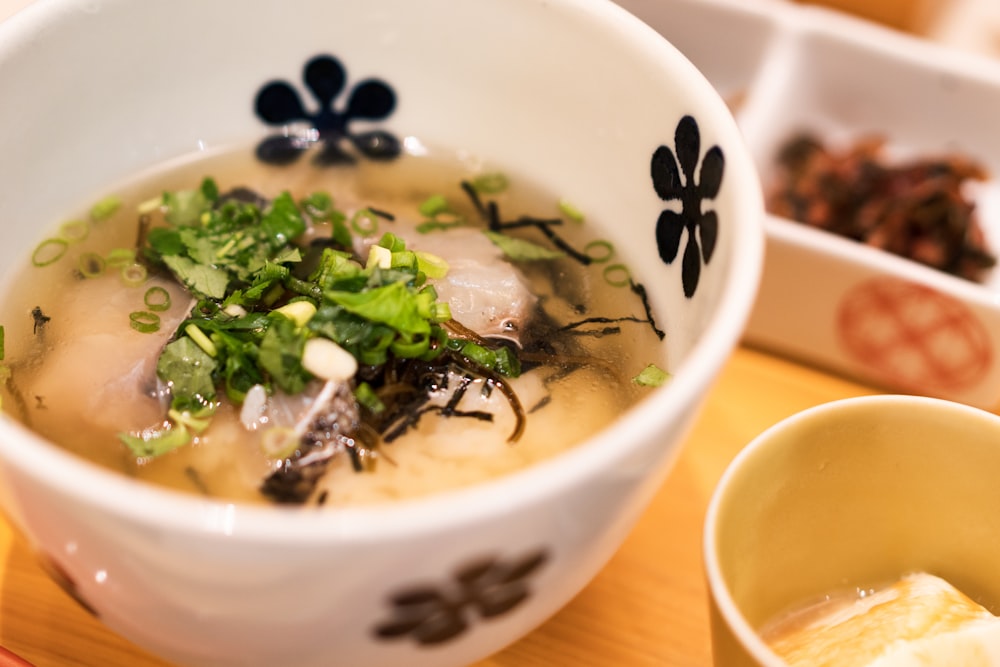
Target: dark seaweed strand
473 195
491 214
40 318
417 409
640 290
544 401
411 419
597 333
355 456
451 407
407 415
386 215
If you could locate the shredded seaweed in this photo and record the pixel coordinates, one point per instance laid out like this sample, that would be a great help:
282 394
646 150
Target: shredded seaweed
40 320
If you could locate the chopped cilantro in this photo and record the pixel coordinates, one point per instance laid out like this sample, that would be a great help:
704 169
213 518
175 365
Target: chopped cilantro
281 354
261 296
202 279
522 250
282 222
188 370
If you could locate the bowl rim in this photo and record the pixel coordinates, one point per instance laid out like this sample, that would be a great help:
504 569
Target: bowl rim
88 483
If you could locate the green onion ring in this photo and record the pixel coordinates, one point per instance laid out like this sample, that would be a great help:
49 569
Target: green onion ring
144 321
365 222
617 275
570 211
490 184
91 265
411 349
49 251
134 275
433 206
121 257
599 251
105 208
157 298
74 230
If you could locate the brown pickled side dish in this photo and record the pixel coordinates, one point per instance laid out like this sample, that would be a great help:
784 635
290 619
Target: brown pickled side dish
915 209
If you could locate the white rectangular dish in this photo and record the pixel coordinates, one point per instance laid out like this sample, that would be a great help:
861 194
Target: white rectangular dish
824 299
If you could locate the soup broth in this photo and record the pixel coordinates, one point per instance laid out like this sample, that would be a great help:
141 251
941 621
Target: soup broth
84 336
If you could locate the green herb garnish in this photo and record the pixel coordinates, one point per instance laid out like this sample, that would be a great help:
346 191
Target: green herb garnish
522 250
105 208
257 308
651 376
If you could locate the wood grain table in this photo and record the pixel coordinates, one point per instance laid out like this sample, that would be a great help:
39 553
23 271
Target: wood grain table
647 607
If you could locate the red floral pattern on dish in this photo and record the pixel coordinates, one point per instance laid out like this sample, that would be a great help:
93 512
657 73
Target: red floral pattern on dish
913 337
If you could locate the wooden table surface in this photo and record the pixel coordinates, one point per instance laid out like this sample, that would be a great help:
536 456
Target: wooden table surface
648 607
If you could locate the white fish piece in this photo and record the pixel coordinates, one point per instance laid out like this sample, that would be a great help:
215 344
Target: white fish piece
93 315
485 292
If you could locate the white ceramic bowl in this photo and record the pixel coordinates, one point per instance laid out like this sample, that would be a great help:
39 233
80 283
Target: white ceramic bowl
576 95
824 299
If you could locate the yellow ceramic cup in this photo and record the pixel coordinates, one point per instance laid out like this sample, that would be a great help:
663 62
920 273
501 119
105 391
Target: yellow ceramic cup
851 493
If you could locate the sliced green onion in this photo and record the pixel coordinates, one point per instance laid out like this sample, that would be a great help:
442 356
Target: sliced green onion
490 184
651 376
367 397
49 251
157 298
476 353
617 275
392 242
319 206
1 342
432 265
599 251
91 265
144 321
433 206
403 259
570 211
119 257
299 312
507 363
279 441
440 312
150 205
365 222
105 208
134 275
156 443
201 340
378 256
405 349
229 245
190 420
74 230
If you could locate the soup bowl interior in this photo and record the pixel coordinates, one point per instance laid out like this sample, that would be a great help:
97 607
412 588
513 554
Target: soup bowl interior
579 97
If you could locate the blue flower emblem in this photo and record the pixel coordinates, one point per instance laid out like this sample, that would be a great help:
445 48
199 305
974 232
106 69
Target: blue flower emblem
279 103
674 179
